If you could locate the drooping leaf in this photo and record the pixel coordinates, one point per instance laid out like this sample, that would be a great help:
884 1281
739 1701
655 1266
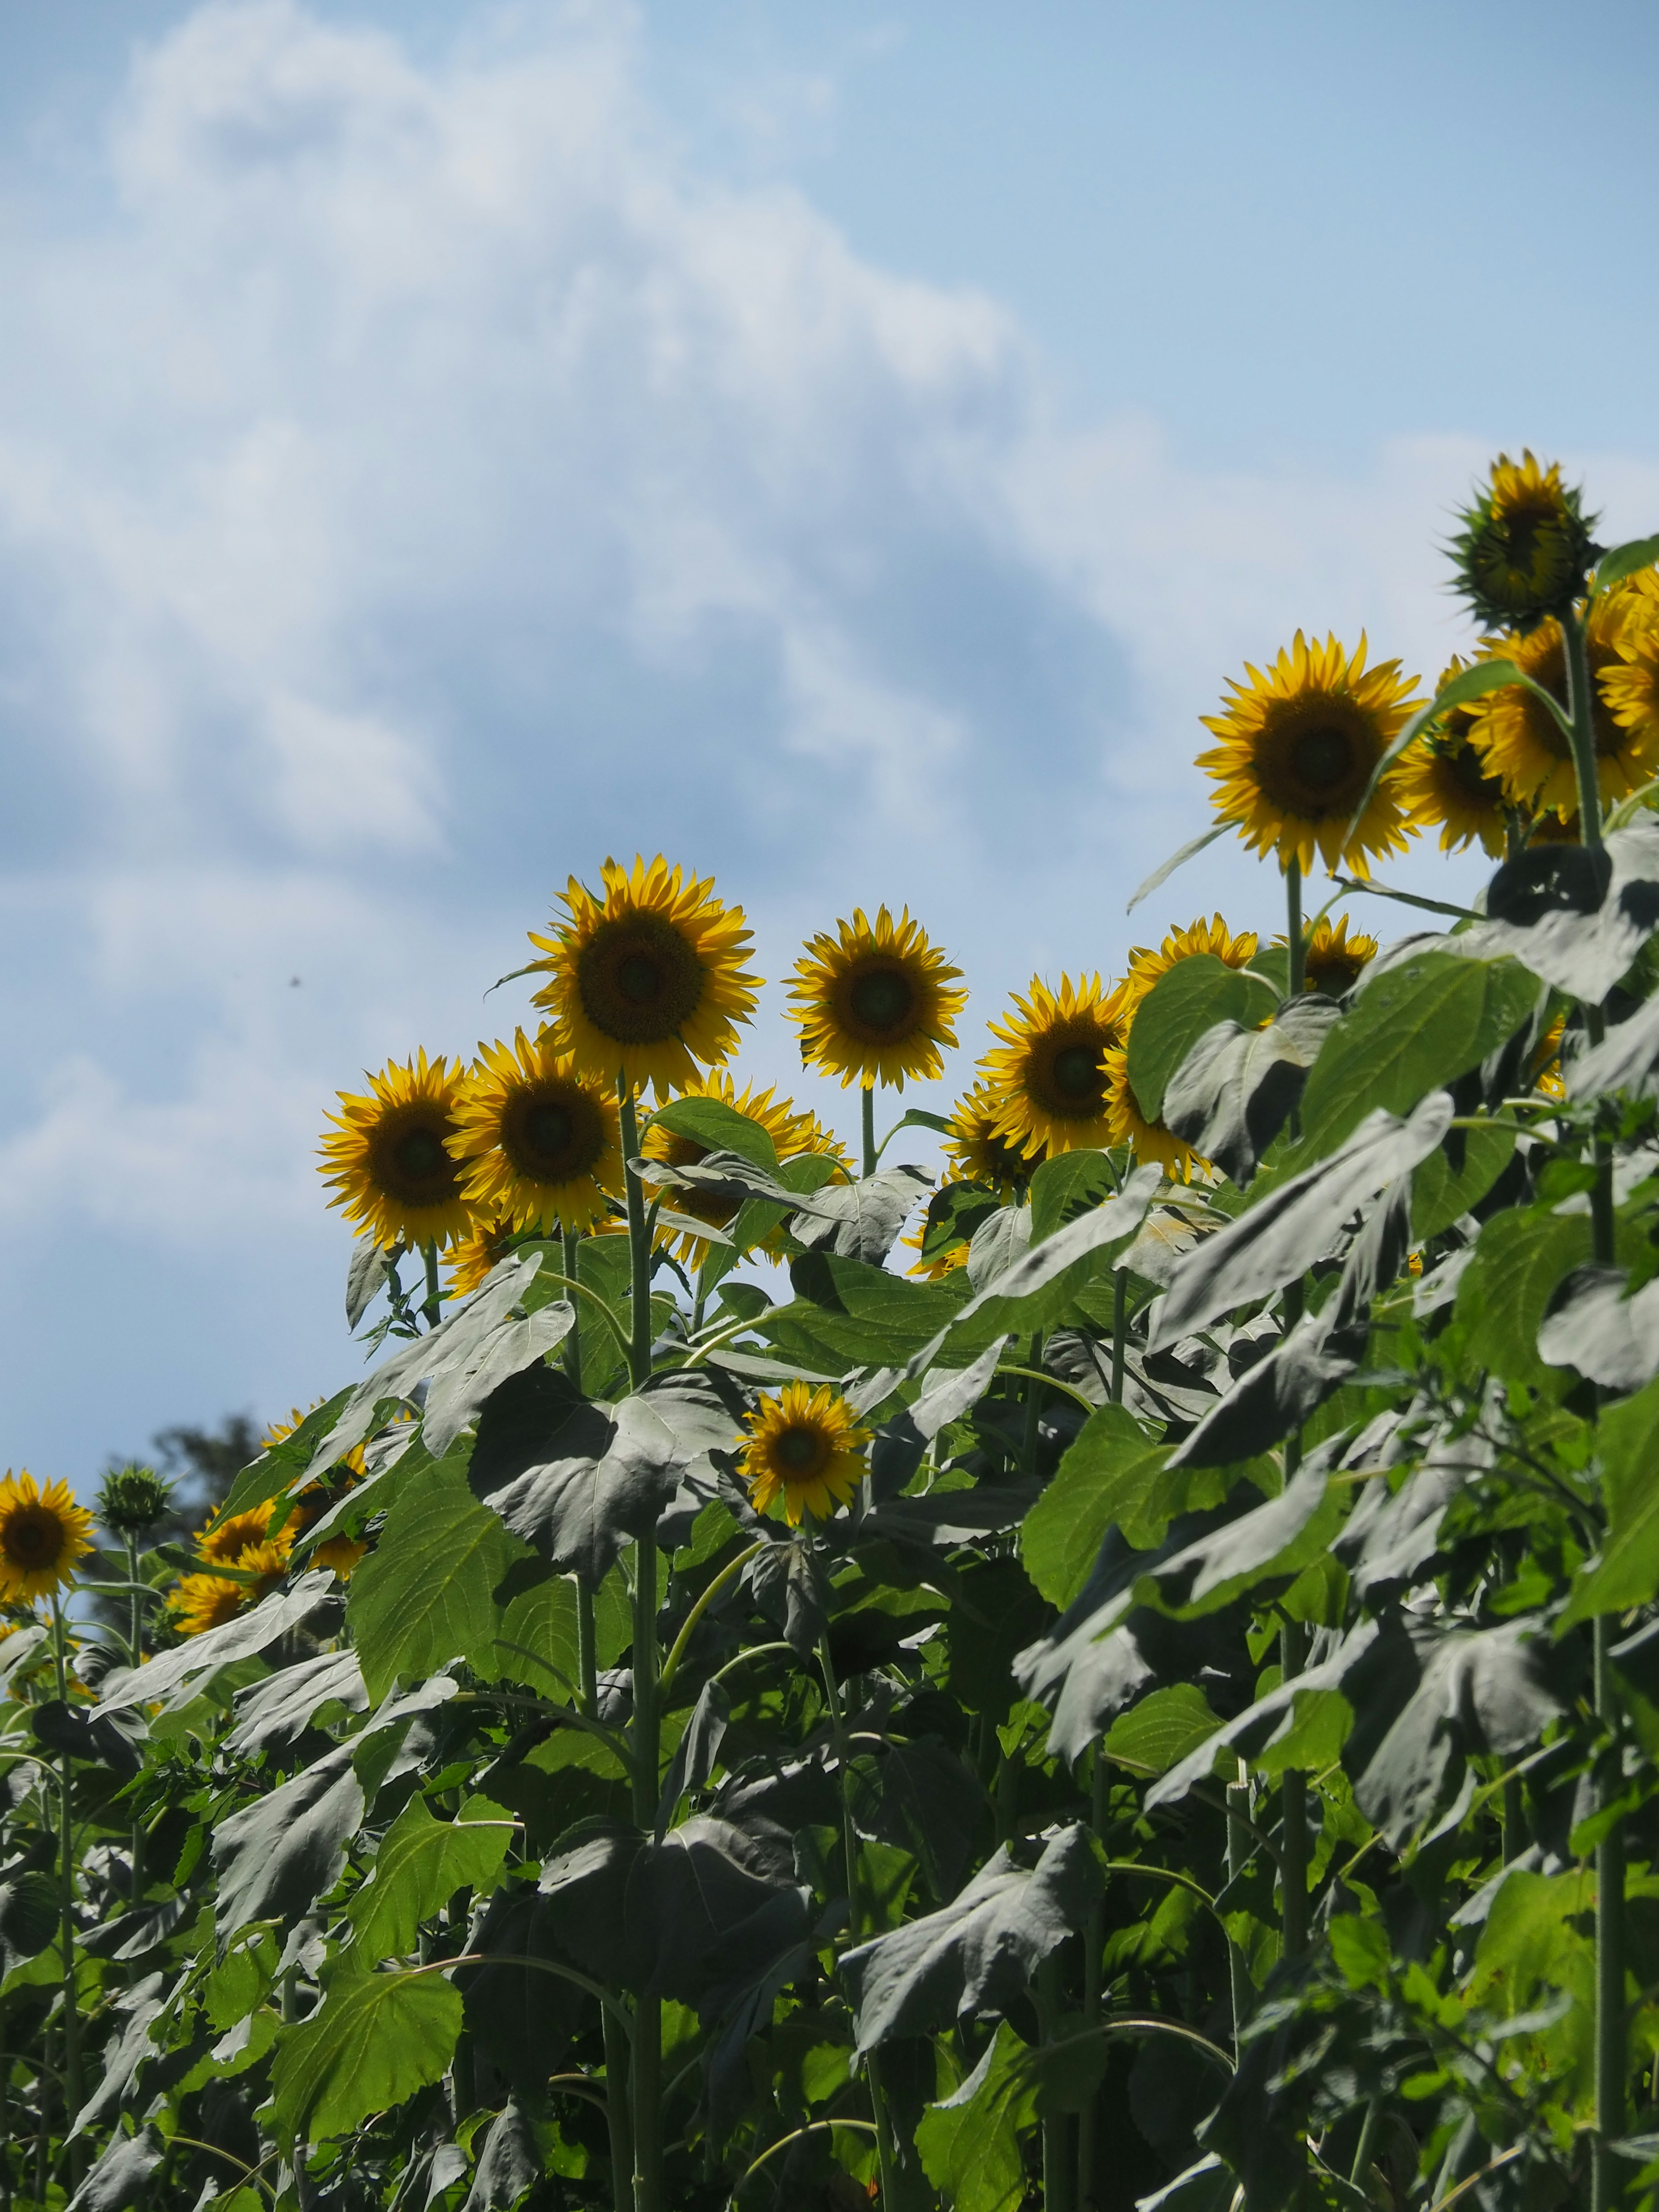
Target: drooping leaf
420 1865
279 1709
281 1853
116 2179
862 1220
1163 1728
1184 1005
98 1738
1392 1535
427 1592
921 1796
522 2015
1069 1184
1109 1475
1275 1398
1627 1059
1576 918
1001 1239
1594 1326
29 1913
1285 1232
1233 1092
976 1955
183 1669
697 1750
513 2160
1443 1194
1165 869
968 2143
1502 1293
365 1278
374 2040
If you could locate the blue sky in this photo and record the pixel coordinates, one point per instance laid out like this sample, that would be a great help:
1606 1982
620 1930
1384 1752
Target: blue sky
844 447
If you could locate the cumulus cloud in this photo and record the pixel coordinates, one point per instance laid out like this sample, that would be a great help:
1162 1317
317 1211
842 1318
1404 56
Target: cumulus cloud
417 480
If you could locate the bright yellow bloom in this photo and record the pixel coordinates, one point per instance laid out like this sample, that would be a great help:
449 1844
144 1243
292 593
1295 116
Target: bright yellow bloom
1630 686
1145 966
1298 745
793 1132
341 1554
941 1263
1445 782
804 1447
976 1145
1521 741
1127 1125
224 1540
392 1173
1050 1069
534 1141
877 1003
1525 544
43 1532
207 1601
472 1259
1546 1064
1332 961
645 979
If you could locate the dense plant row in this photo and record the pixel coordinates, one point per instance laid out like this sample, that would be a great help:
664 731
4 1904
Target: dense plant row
1143 1689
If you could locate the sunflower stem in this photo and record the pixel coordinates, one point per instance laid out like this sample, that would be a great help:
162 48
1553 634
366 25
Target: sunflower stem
868 1097
1033 1411
1610 2044
647 2017
434 1300
1120 1330
1299 951
1239 1848
1581 709
136 1637
570 1246
639 1244
66 1898
587 1669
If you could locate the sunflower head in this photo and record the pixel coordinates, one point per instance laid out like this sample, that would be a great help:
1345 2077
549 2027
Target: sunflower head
1149 1140
1299 744
1630 686
981 1150
229 1536
133 1498
1214 937
472 1259
932 1267
792 1132
1332 961
535 1142
804 1447
43 1532
1050 1068
1445 783
1525 546
876 1002
646 977
208 1600
387 1159
1521 740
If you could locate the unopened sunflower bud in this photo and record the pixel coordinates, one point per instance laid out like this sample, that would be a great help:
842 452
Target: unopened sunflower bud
1525 547
133 1498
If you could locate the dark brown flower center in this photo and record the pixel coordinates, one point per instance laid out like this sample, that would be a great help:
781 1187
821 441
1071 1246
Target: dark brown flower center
879 1002
1076 1071
552 1132
407 1157
34 1537
1320 758
799 1452
639 979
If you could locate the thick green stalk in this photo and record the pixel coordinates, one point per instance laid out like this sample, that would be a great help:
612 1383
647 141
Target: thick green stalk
1033 1413
1293 1804
1368 2133
1298 949
647 2014
1238 1853
66 1898
639 1246
1094 1942
1581 706
135 1639
433 1304
571 1241
617 2055
1058 2160
1610 2042
587 1667
1120 1330
868 1096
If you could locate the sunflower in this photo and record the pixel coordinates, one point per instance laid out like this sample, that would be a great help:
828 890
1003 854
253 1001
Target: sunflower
1549 829
392 1174
43 1532
1051 1067
1444 781
223 1541
1299 744
208 1601
472 1259
793 1134
1630 687
342 1553
645 979
975 1141
1128 1125
1145 966
938 1264
877 1003
1525 546
804 1445
1545 1066
534 1142
1523 742
1332 961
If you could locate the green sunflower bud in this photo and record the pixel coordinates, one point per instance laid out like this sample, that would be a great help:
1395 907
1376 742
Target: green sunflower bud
1526 547
133 1498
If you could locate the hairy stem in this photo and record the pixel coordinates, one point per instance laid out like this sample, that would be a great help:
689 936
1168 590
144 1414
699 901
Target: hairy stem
66 1895
639 1246
1581 709
1299 951
571 1244
1238 1853
1120 1330
868 1096
434 1298
1293 1803
1609 1954
647 2020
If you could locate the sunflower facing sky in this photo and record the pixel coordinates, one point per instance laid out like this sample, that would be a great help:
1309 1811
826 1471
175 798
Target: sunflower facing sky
1050 1068
982 1152
1298 745
535 1142
1525 547
386 1158
43 1532
804 1446
792 1132
645 979
877 1002
1521 741
1145 966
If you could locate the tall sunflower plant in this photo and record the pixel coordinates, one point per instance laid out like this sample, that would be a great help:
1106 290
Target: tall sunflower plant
1121 1672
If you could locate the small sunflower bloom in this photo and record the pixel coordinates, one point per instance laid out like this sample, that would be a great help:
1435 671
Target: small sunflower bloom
227 1536
1630 686
535 1143
1522 743
341 1554
1050 1068
387 1160
1151 1142
1299 744
43 1532
978 1148
1145 966
933 1267
473 1258
804 1447
208 1600
876 1002
1525 546
1445 782
793 1132
1333 961
646 977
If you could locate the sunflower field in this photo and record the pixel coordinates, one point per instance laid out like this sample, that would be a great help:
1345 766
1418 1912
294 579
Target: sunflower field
1124 1673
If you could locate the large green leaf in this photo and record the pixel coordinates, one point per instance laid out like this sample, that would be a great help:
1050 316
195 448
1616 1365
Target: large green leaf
718 1128
420 1865
969 2144
1065 1186
1163 1728
1416 1027
375 2040
1626 559
1110 1474
1627 1572
1520 1259
426 1594
287 1847
1186 1000
1442 1194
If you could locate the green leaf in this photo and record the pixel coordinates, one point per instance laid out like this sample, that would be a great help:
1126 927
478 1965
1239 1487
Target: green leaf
1165 869
1439 1196
1186 1001
421 1863
538 1636
427 1593
1416 1027
375 2040
1067 1186
1111 1473
1163 1728
718 1128
1360 1948
1626 560
1627 1572
1475 683
968 2145
1520 1259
